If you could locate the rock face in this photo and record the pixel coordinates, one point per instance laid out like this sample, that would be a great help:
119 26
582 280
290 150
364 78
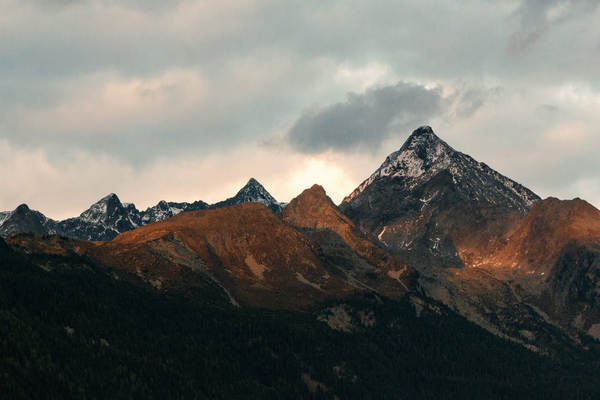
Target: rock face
424 156
3 216
253 191
428 198
164 210
23 219
552 255
104 220
3 246
483 244
317 216
256 257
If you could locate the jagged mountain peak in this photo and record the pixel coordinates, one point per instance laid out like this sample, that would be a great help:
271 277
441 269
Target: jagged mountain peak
24 219
424 155
423 134
101 209
421 156
22 208
252 191
102 221
313 209
253 182
109 197
423 142
316 190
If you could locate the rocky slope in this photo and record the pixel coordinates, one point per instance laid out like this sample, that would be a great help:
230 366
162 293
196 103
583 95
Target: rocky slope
257 258
426 197
104 220
317 216
310 255
483 244
552 256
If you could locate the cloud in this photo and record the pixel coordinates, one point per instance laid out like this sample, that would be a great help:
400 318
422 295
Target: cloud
141 85
366 120
62 188
538 17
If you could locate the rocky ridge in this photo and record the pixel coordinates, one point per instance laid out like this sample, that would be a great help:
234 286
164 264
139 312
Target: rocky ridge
109 217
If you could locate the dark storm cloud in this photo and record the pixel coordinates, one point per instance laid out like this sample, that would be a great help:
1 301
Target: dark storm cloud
365 120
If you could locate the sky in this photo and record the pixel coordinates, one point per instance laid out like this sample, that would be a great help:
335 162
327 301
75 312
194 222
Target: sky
186 100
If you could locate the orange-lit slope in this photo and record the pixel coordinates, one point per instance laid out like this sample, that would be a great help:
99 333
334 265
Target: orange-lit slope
256 256
314 210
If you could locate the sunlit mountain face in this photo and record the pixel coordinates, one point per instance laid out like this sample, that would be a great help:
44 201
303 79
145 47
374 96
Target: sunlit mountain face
433 243
299 200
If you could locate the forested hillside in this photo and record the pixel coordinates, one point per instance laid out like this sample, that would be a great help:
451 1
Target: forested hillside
75 331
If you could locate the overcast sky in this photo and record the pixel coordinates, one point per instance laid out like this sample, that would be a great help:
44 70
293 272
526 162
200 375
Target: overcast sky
186 100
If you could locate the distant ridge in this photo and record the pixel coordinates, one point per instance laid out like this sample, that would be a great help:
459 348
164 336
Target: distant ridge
109 217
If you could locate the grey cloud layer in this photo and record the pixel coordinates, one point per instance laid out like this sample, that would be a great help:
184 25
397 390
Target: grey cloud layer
539 17
139 81
260 63
367 119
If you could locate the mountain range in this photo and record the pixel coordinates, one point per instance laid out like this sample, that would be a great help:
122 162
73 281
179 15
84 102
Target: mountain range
109 217
431 227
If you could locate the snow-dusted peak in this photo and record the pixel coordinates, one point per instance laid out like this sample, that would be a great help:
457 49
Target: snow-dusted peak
424 155
110 197
4 215
163 210
100 210
422 152
24 219
253 191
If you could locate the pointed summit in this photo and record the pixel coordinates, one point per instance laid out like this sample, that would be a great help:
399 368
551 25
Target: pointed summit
22 209
315 213
424 155
422 152
423 130
252 191
23 219
109 197
314 209
102 209
423 140
253 182
427 179
104 220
